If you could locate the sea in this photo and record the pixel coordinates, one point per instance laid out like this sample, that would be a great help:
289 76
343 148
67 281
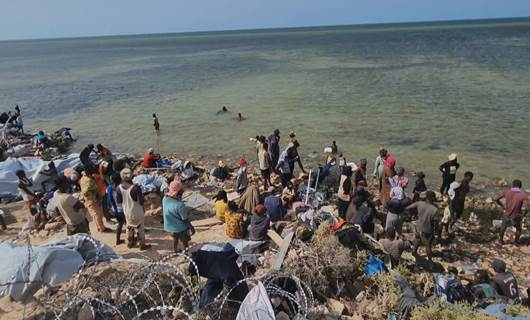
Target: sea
422 90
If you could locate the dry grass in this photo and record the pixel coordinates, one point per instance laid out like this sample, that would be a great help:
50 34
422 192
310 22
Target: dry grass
382 298
445 311
517 310
421 282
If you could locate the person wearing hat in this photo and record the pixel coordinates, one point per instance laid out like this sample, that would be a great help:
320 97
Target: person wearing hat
427 223
457 197
176 216
448 170
131 198
259 224
150 158
386 180
419 186
274 147
345 191
242 178
220 172
504 282
515 209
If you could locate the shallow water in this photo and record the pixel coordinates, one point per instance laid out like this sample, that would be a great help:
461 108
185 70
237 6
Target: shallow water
422 90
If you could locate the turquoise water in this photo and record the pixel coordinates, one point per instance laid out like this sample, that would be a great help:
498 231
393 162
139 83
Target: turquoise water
422 90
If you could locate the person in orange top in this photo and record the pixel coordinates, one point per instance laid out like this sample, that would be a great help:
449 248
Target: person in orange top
102 196
150 158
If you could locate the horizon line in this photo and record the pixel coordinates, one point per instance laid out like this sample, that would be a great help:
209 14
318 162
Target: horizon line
235 30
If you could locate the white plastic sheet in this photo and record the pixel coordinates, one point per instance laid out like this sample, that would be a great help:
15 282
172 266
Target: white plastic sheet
257 305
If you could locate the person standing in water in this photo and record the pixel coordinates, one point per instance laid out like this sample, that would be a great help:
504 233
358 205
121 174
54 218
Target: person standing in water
156 124
448 170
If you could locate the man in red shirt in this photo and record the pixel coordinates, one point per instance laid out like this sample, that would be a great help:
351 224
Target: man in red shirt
150 158
515 208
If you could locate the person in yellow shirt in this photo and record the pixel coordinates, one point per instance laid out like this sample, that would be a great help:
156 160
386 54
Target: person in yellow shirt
234 222
221 205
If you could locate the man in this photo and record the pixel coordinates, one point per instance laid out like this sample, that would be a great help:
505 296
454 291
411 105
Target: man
386 177
515 208
150 158
274 147
221 172
89 195
70 208
259 224
24 188
295 156
427 223
448 170
84 157
264 160
242 178
131 198
103 152
505 282
284 165
360 174
395 248
52 173
176 215
457 198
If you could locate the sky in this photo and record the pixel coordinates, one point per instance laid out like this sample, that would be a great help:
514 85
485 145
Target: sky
29 19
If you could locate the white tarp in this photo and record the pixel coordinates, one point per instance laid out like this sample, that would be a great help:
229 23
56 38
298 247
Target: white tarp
257 305
24 270
32 167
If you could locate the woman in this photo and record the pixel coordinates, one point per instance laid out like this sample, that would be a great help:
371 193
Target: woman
234 222
379 165
259 224
400 180
394 217
176 215
221 205
386 180
345 191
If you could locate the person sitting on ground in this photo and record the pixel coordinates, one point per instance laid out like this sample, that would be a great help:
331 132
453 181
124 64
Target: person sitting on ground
103 152
448 170
386 180
419 186
457 197
379 165
67 136
259 224
242 178
427 223
515 209
52 173
150 158
24 188
221 172
289 194
400 179
156 124
395 248
504 282
275 209
234 222
41 141
117 208
176 216
89 195
360 174
84 157
131 198
395 215
264 160
70 208
481 285
345 191
221 205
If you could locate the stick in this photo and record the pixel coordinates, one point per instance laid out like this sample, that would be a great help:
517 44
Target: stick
308 186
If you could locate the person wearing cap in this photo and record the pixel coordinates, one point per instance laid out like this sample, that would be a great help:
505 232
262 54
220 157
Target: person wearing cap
515 209
457 198
131 198
242 178
259 224
221 205
379 165
220 172
419 186
89 195
274 147
360 174
150 158
504 282
427 223
386 180
176 215
448 170
345 191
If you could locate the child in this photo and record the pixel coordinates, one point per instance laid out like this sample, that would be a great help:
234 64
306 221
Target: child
156 124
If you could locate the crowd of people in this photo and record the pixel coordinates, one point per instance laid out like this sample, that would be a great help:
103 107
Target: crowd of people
105 193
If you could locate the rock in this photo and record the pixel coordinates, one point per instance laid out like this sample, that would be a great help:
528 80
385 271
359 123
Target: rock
53 226
86 313
489 200
335 306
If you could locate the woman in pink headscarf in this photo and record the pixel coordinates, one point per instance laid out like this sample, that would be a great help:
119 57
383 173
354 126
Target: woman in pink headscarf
386 177
176 215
